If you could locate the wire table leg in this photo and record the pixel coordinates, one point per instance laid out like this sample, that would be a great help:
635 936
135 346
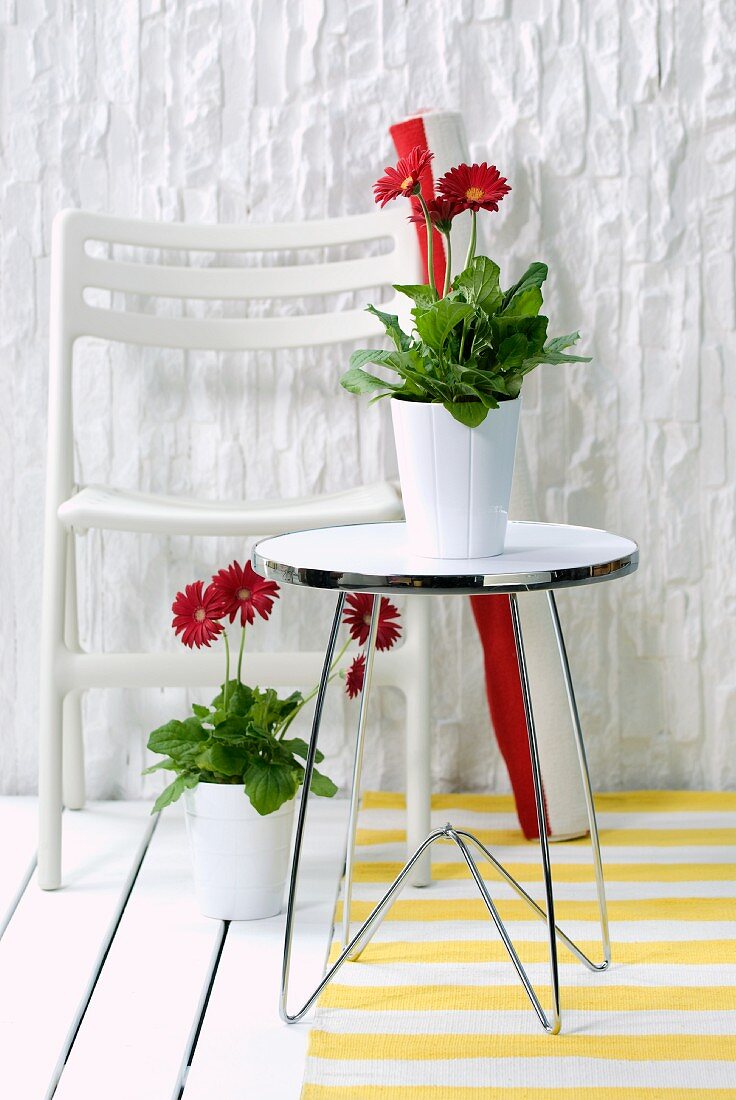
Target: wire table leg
364 930
511 881
358 769
301 818
583 760
554 1027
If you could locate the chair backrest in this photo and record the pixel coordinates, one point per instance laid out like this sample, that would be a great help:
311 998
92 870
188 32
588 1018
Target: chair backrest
74 271
80 271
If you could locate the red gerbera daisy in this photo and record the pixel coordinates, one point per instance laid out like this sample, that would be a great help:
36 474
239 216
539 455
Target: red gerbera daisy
474 186
441 213
355 676
241 589
404 178
358 618
196 614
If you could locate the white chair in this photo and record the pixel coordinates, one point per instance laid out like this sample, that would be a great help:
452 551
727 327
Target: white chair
66 670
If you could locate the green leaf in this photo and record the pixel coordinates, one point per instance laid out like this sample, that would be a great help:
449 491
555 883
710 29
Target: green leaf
267 708
483 385
391 323
269 786
509 324
233 731
200 711
224 759
434 325
300 748
420 293
176 738
290 703
175 790
163 765
359 381
322 785
534 275
554 350
526 303
480 282
470 413
512 352
362 356
239 701
551 354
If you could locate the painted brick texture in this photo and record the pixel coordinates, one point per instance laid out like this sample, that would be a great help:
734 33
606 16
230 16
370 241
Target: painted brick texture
616 126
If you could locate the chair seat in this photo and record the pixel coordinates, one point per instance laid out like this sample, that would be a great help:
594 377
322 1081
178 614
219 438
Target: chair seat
102 506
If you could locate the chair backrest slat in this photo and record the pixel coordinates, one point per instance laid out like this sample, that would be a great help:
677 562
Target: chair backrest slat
248 237
227 334
229 283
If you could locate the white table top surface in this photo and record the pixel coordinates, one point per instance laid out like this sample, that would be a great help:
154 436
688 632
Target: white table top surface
374 557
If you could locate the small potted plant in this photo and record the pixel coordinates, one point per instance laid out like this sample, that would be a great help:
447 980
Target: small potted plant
455 405
235 761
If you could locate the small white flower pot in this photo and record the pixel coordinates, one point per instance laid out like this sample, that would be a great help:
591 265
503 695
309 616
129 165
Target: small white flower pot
455 480
240 859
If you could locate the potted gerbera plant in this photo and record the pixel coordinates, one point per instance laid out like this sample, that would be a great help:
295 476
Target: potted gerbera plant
455 404
236 760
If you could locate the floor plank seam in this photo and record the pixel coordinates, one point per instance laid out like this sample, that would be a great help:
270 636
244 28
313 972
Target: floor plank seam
101 958
27 876
208 985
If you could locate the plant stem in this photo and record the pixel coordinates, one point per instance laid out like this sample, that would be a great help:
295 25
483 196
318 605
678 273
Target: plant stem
430 243
240 654
462 339
307 698
448 265
227 669
471 247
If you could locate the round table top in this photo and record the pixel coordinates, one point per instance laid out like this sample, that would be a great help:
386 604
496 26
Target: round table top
373 557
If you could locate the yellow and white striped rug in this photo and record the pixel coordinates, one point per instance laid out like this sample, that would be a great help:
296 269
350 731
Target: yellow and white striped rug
434 1009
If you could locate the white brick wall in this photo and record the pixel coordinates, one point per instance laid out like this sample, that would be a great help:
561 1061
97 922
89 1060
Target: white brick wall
615 124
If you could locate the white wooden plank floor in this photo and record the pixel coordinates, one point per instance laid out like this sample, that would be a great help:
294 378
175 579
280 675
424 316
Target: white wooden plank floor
116 986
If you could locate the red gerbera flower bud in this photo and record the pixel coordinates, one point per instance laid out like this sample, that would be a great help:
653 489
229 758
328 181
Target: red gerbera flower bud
441 213
355 676
358 618
196 615
474 186
404 179
241 589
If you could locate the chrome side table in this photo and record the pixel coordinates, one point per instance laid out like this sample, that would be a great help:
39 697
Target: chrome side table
373 558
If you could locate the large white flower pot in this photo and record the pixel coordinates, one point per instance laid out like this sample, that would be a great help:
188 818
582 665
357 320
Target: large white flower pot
455 480
241 859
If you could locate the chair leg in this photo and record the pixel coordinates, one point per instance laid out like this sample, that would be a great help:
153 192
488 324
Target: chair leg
49 783
418 738
73 752
73 731
51 710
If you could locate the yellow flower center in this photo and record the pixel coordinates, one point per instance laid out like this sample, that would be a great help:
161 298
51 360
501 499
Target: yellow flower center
408 182
199 615
244 593
474 194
